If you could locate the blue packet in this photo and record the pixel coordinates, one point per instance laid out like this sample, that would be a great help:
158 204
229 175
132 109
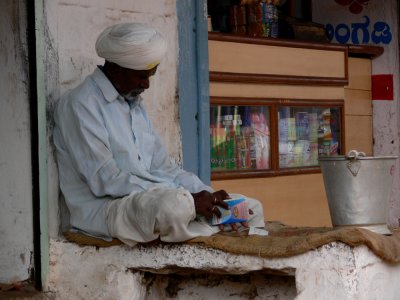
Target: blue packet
238 211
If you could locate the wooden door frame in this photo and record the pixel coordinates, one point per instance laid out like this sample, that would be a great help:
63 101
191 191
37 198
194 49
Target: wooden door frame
193 87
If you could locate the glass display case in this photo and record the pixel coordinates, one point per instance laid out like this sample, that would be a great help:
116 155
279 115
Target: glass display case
270 137
307 132
240 137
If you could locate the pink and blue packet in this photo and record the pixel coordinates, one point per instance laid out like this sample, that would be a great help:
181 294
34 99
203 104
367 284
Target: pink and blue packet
238 211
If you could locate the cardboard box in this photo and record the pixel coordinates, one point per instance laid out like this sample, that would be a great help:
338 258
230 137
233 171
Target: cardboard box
238 211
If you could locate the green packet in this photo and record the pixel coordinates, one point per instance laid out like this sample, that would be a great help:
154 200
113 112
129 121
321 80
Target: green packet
238 211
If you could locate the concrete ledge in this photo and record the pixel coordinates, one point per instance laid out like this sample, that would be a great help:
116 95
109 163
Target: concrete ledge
335 270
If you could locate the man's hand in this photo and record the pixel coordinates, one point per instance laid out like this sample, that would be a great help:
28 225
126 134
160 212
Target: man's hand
206 203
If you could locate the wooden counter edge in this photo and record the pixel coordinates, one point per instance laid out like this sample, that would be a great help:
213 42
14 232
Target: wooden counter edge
366 51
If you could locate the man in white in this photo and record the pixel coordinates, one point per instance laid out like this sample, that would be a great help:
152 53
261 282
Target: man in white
115 173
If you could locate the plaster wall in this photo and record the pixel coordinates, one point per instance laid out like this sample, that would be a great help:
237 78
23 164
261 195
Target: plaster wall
386 114
16 234
333 271
72 27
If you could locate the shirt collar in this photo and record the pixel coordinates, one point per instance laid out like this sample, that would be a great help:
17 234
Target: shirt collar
105 85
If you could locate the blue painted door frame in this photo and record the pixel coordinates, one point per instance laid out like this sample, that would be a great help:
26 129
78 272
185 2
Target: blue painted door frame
193 86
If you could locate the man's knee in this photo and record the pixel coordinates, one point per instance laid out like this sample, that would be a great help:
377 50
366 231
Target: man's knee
176 204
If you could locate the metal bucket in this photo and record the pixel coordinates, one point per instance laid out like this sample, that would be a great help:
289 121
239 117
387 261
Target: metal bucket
358 189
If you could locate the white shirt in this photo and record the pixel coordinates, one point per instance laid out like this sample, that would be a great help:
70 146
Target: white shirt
107 149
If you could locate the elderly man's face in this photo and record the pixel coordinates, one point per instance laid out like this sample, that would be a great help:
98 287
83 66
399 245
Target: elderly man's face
130 83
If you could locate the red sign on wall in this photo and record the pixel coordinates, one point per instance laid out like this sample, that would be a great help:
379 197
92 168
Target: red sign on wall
382 87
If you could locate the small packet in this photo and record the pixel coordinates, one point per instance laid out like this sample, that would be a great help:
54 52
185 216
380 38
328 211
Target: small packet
238 211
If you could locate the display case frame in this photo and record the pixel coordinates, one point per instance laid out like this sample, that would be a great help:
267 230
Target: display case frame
273 104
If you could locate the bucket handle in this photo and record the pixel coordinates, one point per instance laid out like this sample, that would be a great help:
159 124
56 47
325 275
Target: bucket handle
354 164
354 154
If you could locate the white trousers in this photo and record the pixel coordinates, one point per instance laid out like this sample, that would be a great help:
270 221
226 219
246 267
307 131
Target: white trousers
164 213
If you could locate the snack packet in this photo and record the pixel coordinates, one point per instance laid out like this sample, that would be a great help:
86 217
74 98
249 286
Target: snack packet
238 211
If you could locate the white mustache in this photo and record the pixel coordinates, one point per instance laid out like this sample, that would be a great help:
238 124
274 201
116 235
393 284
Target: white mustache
131 95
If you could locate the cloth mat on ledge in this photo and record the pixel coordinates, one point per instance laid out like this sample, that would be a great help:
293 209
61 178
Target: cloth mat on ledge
282 241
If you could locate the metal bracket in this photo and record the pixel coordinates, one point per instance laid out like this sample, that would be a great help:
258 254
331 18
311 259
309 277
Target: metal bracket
354 164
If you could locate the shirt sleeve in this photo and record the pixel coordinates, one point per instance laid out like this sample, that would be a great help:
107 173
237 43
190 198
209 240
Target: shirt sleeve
86 140
163 166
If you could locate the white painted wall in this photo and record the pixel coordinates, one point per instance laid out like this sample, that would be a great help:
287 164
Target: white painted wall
16 234
73 26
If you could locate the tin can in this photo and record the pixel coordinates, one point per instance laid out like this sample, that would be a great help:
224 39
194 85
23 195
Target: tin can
254 13
237 15
244 2
262 20
239 30
255 30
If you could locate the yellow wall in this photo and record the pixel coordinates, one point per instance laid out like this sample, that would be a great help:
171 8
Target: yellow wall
296 200
358 106
263 59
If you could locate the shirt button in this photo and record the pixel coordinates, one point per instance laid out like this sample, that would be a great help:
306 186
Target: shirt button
138 157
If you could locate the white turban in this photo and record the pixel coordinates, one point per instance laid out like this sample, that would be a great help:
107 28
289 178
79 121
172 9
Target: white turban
131 45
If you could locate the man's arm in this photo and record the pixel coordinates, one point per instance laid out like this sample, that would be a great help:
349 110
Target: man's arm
162 165
205 199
